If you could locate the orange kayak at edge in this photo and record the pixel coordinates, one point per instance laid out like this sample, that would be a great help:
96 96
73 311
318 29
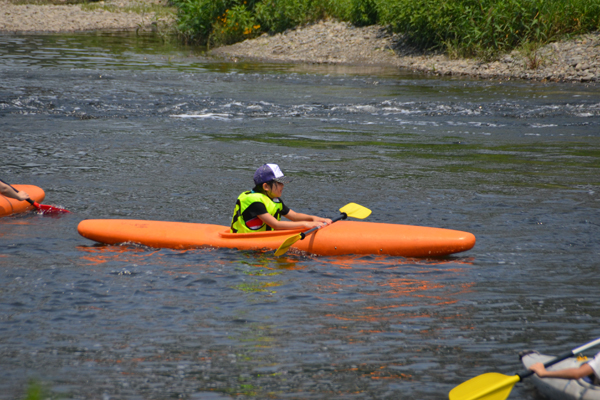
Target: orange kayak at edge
12 206
344 237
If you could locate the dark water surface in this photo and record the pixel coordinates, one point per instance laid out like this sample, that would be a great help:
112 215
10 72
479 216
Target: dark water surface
116 126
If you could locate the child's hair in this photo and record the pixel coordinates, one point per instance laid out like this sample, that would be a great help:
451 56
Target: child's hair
260 189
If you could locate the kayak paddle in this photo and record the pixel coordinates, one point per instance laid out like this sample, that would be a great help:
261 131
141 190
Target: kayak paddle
43 208
495 386
349 210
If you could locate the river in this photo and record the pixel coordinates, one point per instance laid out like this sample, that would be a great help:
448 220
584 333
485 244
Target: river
125 126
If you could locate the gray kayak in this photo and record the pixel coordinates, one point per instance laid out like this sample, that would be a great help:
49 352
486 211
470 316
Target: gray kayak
561 389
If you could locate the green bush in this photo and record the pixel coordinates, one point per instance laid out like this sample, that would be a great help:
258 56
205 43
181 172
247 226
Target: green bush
227 21
488 27
234 25
364 12
483 28
195 18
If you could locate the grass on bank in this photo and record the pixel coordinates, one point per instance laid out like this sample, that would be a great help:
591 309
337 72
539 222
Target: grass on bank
461 28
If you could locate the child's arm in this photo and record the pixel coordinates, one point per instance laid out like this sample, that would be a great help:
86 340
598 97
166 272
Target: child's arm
9 192
569 373
280 225
294 216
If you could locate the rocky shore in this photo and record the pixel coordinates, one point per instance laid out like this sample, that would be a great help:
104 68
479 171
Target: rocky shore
52 18
331 42
327 42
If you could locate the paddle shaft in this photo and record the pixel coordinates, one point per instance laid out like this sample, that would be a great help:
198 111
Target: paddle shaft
303 234
562 357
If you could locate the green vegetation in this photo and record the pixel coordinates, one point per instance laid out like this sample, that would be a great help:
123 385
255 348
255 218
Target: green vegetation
36 391
229 21
485 28
465 28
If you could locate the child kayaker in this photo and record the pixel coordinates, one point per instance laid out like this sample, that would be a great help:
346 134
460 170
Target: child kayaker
7 191
261 208
588 369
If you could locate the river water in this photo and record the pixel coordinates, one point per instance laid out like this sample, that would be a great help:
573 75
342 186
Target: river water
125 126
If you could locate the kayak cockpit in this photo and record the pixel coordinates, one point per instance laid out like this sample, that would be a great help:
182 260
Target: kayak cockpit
259 235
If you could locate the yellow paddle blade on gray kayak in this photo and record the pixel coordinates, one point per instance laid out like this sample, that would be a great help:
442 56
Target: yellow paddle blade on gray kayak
355 211
349 210
495 386
490 386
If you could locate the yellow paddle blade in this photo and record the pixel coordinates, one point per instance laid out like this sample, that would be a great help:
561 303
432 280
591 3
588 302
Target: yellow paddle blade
351 209
286 245
355 211
490 386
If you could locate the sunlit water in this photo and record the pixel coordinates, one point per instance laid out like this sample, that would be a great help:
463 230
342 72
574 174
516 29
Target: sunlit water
115 126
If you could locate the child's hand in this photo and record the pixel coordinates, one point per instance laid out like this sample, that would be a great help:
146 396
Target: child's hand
326 221
22 196
314 224
538 368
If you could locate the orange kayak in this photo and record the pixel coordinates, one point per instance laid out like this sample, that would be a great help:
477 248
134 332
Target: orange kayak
12 206
344 237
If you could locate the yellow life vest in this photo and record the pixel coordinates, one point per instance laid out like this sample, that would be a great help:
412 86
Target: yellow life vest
255 224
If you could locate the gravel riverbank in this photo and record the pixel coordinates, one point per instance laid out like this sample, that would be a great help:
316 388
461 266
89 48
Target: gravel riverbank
576 60
329 42
53 18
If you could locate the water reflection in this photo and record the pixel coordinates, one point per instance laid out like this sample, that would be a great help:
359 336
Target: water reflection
98 255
